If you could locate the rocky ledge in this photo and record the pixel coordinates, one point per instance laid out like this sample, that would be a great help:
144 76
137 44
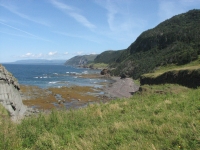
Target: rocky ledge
10 96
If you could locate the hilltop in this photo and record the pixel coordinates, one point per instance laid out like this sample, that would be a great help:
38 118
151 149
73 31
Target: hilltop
174 41
80 60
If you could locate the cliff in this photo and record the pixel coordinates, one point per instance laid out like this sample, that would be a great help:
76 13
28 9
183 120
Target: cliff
10 96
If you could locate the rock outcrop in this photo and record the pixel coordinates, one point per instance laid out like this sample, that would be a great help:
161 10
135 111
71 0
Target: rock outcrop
185 77
105 72
10 96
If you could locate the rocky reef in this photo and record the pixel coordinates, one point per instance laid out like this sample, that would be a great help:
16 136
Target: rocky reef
10 96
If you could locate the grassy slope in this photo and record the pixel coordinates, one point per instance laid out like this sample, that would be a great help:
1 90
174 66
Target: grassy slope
190 66
159 117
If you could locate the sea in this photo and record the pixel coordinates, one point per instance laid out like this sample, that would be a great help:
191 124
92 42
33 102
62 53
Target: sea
45 76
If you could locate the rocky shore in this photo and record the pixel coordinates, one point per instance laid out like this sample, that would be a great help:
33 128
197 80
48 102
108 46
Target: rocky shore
77 96
121 88
26 100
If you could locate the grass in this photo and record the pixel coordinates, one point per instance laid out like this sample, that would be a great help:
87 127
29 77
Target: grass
4 114
173 67
192 65
99 65
159 117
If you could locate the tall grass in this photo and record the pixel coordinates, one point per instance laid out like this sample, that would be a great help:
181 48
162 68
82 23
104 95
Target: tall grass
160 117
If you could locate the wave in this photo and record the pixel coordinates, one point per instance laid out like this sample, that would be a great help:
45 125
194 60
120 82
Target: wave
53 82
85 72
72 73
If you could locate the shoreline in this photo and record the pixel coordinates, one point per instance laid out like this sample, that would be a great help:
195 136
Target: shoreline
121 88
77 96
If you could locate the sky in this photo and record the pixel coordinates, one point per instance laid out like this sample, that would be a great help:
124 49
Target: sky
62 29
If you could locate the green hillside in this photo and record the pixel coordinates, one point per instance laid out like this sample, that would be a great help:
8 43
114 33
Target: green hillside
174 41
108 56
80 60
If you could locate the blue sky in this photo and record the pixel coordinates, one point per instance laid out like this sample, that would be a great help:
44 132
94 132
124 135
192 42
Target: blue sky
61 29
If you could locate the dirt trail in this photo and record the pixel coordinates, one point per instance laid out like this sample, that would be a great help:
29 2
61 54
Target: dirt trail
122 88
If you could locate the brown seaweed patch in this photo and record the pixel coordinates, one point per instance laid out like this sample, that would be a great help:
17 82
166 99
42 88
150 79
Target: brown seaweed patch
92 76
38 97
75 92
48 99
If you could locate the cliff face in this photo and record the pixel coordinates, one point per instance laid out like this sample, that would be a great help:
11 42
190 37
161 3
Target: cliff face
10 96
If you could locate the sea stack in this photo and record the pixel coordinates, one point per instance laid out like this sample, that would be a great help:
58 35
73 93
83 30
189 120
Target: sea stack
10 96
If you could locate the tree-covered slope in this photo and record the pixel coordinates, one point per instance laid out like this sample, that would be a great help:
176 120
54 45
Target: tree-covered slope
108 56
176 40
80 60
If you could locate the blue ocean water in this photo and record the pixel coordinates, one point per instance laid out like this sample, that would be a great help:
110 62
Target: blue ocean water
45 76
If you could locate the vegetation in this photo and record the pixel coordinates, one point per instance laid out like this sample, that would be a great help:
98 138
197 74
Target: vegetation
108 56
187 75
97 65
158 117
3 113
174 41
80 60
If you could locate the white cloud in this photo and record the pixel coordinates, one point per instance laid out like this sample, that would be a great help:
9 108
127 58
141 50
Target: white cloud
71 11
39 55
66 53
28 55
14 10
81 19
79 53
85 37
123 25
28 33
119 17
52 53
169 8
61 5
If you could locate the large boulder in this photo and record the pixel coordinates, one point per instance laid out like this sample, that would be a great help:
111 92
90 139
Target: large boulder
105 72
10 96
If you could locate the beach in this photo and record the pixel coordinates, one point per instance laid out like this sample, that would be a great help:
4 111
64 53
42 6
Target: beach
122 88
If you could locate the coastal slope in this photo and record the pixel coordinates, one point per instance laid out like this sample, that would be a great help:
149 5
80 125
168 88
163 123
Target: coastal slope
80 60
174 41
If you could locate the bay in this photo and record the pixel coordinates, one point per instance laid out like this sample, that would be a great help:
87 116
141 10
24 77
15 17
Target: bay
45 76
